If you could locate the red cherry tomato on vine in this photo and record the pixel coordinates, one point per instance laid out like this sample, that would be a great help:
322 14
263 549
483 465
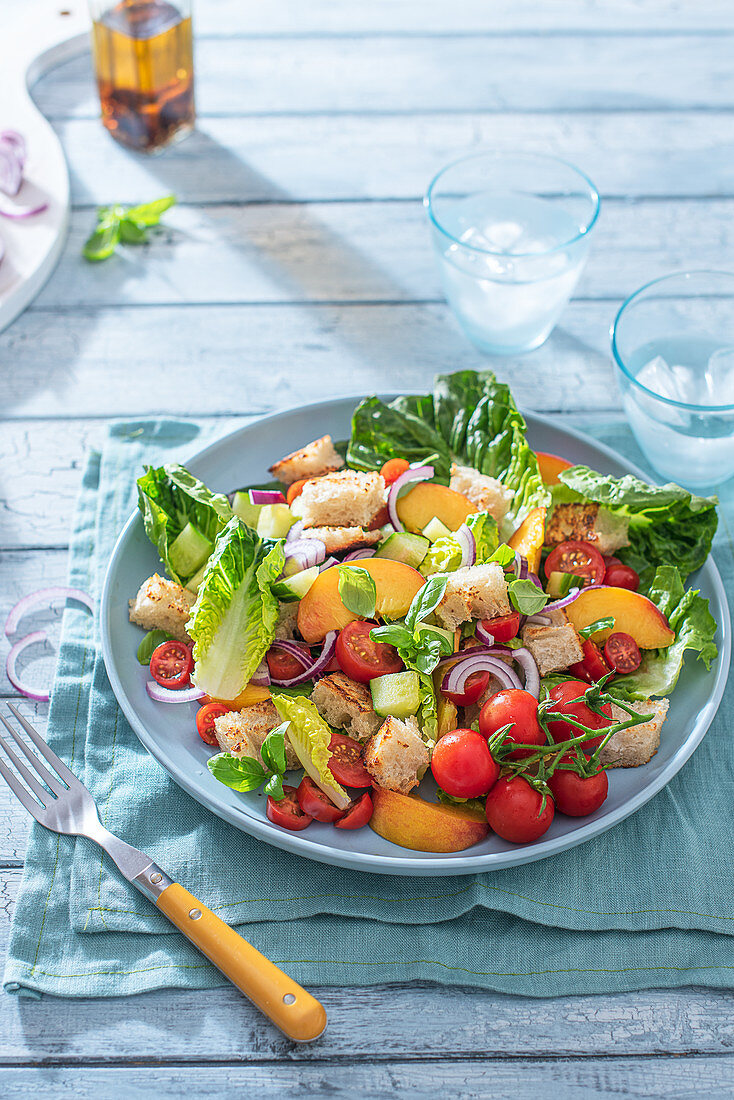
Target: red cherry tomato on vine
356 815
474 688
622 576
315 803
517 706
504 627
513 811
593 666
575 795
393 469
568 699
622 652
205 721
462 765
171 664
287 812
346 763
362 658
580 558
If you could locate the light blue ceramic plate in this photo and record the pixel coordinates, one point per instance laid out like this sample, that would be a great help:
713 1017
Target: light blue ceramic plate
168 731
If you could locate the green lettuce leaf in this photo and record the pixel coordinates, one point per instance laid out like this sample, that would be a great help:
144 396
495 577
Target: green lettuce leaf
169 498
444 555
381 431
233 620
427 711
309 735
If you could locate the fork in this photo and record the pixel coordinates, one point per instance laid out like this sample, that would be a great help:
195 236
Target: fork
65 805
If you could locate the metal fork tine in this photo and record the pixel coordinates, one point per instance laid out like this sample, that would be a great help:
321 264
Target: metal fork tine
43 796
20 791
51 780
55 761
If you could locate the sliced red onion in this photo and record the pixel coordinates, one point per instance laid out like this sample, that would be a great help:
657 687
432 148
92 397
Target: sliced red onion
12 161
44 597
12 670
517 563
456 678
558 604
266 496
465 538
11 209
524 571
317 667
261 675
299 650
528 664
474 651
538 620
306 552
295 532
535 579
172 695
484 635
419 473
328 564
354 555
2 250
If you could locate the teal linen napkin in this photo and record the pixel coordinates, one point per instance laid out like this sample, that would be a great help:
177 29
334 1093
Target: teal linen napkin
649 903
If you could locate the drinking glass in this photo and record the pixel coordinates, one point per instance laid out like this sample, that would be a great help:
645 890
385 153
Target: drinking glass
673 346
145 72
511 235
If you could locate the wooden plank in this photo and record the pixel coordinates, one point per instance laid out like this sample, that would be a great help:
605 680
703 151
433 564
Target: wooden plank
328 252
402 75
280 159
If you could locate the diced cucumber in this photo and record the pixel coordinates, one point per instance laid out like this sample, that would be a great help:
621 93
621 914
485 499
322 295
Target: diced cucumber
189 550
295 587
447 634
434 529
243 507
397 694
194 583
274 521
404 547
560 584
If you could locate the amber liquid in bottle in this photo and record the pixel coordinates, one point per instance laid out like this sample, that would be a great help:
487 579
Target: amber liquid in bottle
144 68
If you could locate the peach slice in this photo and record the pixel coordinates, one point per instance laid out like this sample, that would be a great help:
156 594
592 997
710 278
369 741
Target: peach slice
633 614
412 822
425 500
551 466
322 610
529 538
250 694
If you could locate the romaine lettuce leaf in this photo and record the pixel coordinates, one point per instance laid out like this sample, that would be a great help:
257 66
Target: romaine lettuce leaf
233 620
309 735
169 498
427 711
381 431
444 555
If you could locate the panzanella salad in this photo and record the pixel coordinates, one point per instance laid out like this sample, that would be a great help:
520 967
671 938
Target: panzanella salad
432 594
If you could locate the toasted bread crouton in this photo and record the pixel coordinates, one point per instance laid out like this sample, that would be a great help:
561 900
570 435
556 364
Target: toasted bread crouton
313 460
587 523
396 757
487 493
347 498
555 647
287 619
637 745
347 705
474 591
342 538
162 605
242 732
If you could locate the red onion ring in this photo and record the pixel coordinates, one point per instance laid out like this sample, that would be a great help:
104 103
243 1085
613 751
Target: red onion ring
529 666
299 650
535 579
305 552
172 695
456 678
266 496
261 675
354 555
484 635
475 651
417 473
11 209
12 671
465 538
44 597
538 620
558 604
328 564
317 667
12 161
295 532
491 653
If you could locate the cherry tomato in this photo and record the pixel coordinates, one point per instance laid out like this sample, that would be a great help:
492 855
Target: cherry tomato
363 659
609 559
393 469
205 721
171 664
283 665
622 576
576 796
568 699
580 558
513 705
462 765
356 815
315 803
295 490
593 666
346 763
474 687
622 652
503 628
513 810
287 812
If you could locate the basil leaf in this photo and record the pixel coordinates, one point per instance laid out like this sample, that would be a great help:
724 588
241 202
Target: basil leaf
274 787
600 624
393 634
150 642
503 555
241 773
149 213
426 600
102 242
526 597
272 749
357 591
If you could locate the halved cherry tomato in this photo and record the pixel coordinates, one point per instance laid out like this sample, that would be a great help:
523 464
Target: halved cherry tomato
580 558
360 657
315 803
346 763
474 688
295 490
516 706
393 469
356 815
205 721
283 665
462 765
513 810
504 627
568 699
622 652
622 576
593 666
171 664
287 813
575 795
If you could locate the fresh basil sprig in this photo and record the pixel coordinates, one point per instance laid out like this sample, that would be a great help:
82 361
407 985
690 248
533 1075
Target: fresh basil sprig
357 591
128 225
426 600
600 624
419 649
244 773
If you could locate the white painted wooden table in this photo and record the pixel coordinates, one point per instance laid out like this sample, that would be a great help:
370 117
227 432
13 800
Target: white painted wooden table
296 267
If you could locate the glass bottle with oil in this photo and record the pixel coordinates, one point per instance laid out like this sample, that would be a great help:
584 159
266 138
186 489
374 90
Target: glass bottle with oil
144 67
